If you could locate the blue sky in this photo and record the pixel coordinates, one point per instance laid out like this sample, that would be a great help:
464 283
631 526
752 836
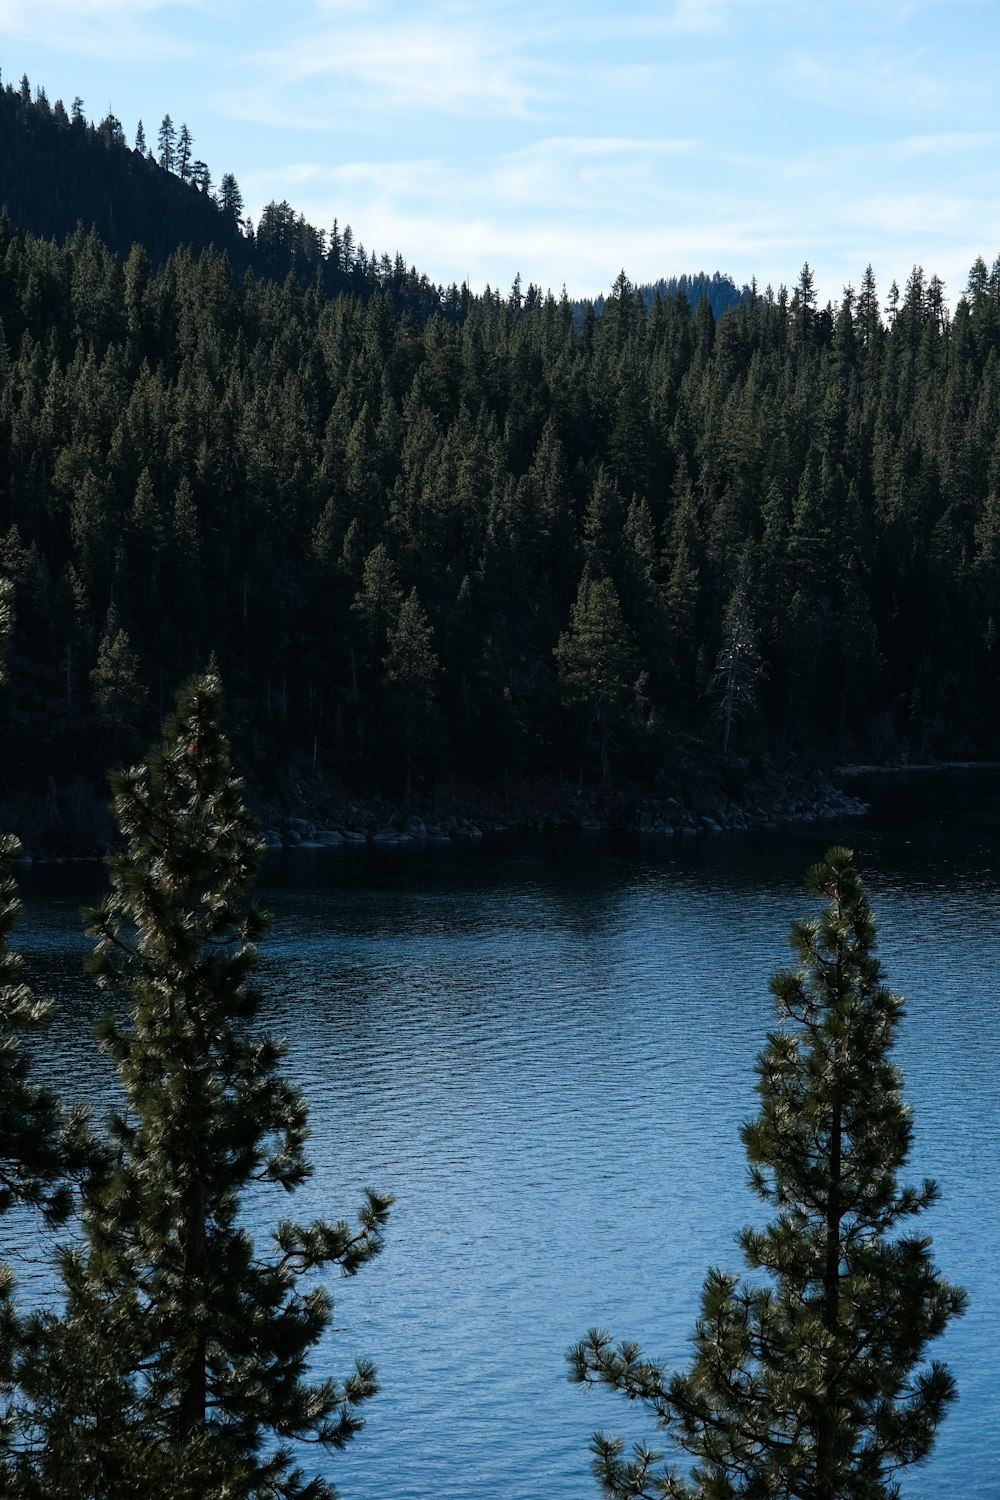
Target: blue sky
570 140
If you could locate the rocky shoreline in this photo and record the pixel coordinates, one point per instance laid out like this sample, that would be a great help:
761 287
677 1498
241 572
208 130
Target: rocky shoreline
696 800
775 798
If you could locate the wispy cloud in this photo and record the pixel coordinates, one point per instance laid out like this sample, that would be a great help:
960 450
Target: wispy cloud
881 80
912 214
460 70
947 143
109 30
16 15
700 16
566 173
561 176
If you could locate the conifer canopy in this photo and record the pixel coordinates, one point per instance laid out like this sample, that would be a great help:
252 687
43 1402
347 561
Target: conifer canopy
180 1366
808 1380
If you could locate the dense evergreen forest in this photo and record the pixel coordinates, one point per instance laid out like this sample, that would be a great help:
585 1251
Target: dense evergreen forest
428 534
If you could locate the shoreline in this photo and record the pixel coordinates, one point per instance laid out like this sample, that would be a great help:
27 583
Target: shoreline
691 801
774 798
924 767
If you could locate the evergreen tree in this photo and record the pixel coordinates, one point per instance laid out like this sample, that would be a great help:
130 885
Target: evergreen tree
201 177
410 667
812 1387
119 697
179 1367
379 598
41 1147
167 141
738 665
183 157
230 197
595 659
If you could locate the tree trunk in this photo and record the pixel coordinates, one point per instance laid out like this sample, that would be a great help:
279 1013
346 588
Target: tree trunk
194 1389
826 1483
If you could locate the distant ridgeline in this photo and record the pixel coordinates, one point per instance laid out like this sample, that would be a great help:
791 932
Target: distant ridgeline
58 171
720 291
429 534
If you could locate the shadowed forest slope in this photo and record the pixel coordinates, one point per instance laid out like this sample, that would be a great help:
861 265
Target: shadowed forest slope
428 533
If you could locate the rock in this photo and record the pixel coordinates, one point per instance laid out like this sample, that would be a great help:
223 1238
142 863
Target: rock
712 807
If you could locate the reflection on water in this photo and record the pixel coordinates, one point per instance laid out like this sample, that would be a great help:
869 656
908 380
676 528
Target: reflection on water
545 1049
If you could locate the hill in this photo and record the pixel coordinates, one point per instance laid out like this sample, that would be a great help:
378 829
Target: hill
434 536
58 171
720 292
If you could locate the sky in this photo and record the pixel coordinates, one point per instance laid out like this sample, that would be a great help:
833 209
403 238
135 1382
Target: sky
568 140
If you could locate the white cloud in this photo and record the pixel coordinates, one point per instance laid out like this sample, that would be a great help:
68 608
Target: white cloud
19 15
697 16
109 30
417 64
915 215
572 176
947 143
879 79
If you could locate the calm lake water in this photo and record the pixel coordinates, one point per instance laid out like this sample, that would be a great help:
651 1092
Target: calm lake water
545 1049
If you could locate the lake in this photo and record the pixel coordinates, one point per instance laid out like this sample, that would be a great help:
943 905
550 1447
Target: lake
544 1047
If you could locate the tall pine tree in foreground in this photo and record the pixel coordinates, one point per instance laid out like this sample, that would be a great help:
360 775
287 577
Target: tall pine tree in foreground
179 1368
809 1380
41 1147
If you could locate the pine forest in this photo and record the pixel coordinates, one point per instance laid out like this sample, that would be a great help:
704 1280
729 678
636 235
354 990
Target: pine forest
430 534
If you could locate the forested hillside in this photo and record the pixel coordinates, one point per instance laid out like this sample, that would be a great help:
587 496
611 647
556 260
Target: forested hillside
58 171
483 540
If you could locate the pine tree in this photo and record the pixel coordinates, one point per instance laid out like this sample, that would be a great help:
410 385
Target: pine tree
167 141
183 157
230 197
410 668
814 1386
119 696
41 1147
179 1367
738 665
595 657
